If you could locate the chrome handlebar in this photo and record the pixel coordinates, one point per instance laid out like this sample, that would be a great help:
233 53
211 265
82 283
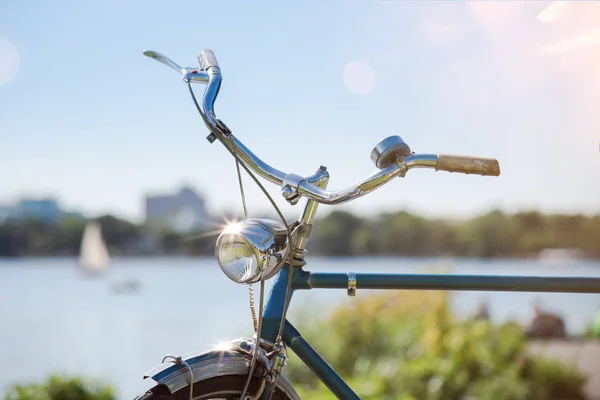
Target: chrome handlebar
395 157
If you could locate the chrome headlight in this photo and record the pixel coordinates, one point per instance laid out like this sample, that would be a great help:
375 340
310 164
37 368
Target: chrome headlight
252 250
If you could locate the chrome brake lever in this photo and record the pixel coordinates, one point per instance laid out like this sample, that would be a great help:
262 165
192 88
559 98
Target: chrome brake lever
165 60
194 75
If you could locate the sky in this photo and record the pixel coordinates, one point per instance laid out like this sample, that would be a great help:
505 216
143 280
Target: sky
86 118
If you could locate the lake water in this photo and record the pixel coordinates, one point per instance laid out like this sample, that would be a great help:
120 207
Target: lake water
52 319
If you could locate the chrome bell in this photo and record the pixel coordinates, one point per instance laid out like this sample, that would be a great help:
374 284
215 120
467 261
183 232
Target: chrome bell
388 151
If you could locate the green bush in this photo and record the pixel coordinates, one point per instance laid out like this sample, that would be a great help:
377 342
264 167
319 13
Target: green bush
593 328
61 388
407 345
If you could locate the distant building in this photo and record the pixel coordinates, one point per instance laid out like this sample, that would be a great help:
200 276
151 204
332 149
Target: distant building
182 212
45 209
42 209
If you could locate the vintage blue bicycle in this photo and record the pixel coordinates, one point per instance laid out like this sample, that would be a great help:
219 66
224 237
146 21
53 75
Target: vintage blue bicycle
255 250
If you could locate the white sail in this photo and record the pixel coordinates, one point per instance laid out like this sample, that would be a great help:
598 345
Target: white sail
93 254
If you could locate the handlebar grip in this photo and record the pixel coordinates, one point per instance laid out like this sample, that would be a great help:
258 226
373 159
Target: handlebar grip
207 59
468 165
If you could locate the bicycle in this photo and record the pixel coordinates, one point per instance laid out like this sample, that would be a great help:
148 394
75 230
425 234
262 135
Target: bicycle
254 250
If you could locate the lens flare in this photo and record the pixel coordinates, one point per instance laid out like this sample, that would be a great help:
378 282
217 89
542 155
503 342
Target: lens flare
358 77
235 227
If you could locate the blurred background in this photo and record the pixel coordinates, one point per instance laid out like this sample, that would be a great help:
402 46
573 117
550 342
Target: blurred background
110 195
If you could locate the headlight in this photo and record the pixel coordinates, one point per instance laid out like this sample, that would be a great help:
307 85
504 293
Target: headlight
252 250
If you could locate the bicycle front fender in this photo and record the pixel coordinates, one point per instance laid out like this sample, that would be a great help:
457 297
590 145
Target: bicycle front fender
235 360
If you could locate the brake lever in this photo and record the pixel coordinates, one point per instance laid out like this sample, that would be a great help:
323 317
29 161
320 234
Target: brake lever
188 74
163 59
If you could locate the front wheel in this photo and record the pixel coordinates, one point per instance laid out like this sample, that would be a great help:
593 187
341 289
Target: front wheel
228 387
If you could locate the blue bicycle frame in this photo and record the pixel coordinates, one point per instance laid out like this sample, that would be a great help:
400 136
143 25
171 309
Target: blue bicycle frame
305 280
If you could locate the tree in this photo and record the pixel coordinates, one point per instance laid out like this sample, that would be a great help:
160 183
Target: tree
118 233
334 236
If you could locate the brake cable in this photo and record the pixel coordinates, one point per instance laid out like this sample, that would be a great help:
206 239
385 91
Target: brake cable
289 251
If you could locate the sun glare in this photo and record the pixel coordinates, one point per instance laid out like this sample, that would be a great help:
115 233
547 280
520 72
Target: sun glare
553 12
222 346
587 39
233 228
231 225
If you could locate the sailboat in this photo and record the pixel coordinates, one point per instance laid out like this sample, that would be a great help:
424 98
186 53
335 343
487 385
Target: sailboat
93 254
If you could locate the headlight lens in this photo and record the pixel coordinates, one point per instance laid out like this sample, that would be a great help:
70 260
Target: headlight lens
252 250
237 259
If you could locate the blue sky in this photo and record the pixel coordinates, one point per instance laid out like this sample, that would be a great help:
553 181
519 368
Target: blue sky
86 117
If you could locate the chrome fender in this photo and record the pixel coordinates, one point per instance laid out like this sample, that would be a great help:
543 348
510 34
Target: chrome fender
232 359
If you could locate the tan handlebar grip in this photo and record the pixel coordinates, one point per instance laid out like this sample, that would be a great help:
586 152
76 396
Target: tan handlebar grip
468 165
